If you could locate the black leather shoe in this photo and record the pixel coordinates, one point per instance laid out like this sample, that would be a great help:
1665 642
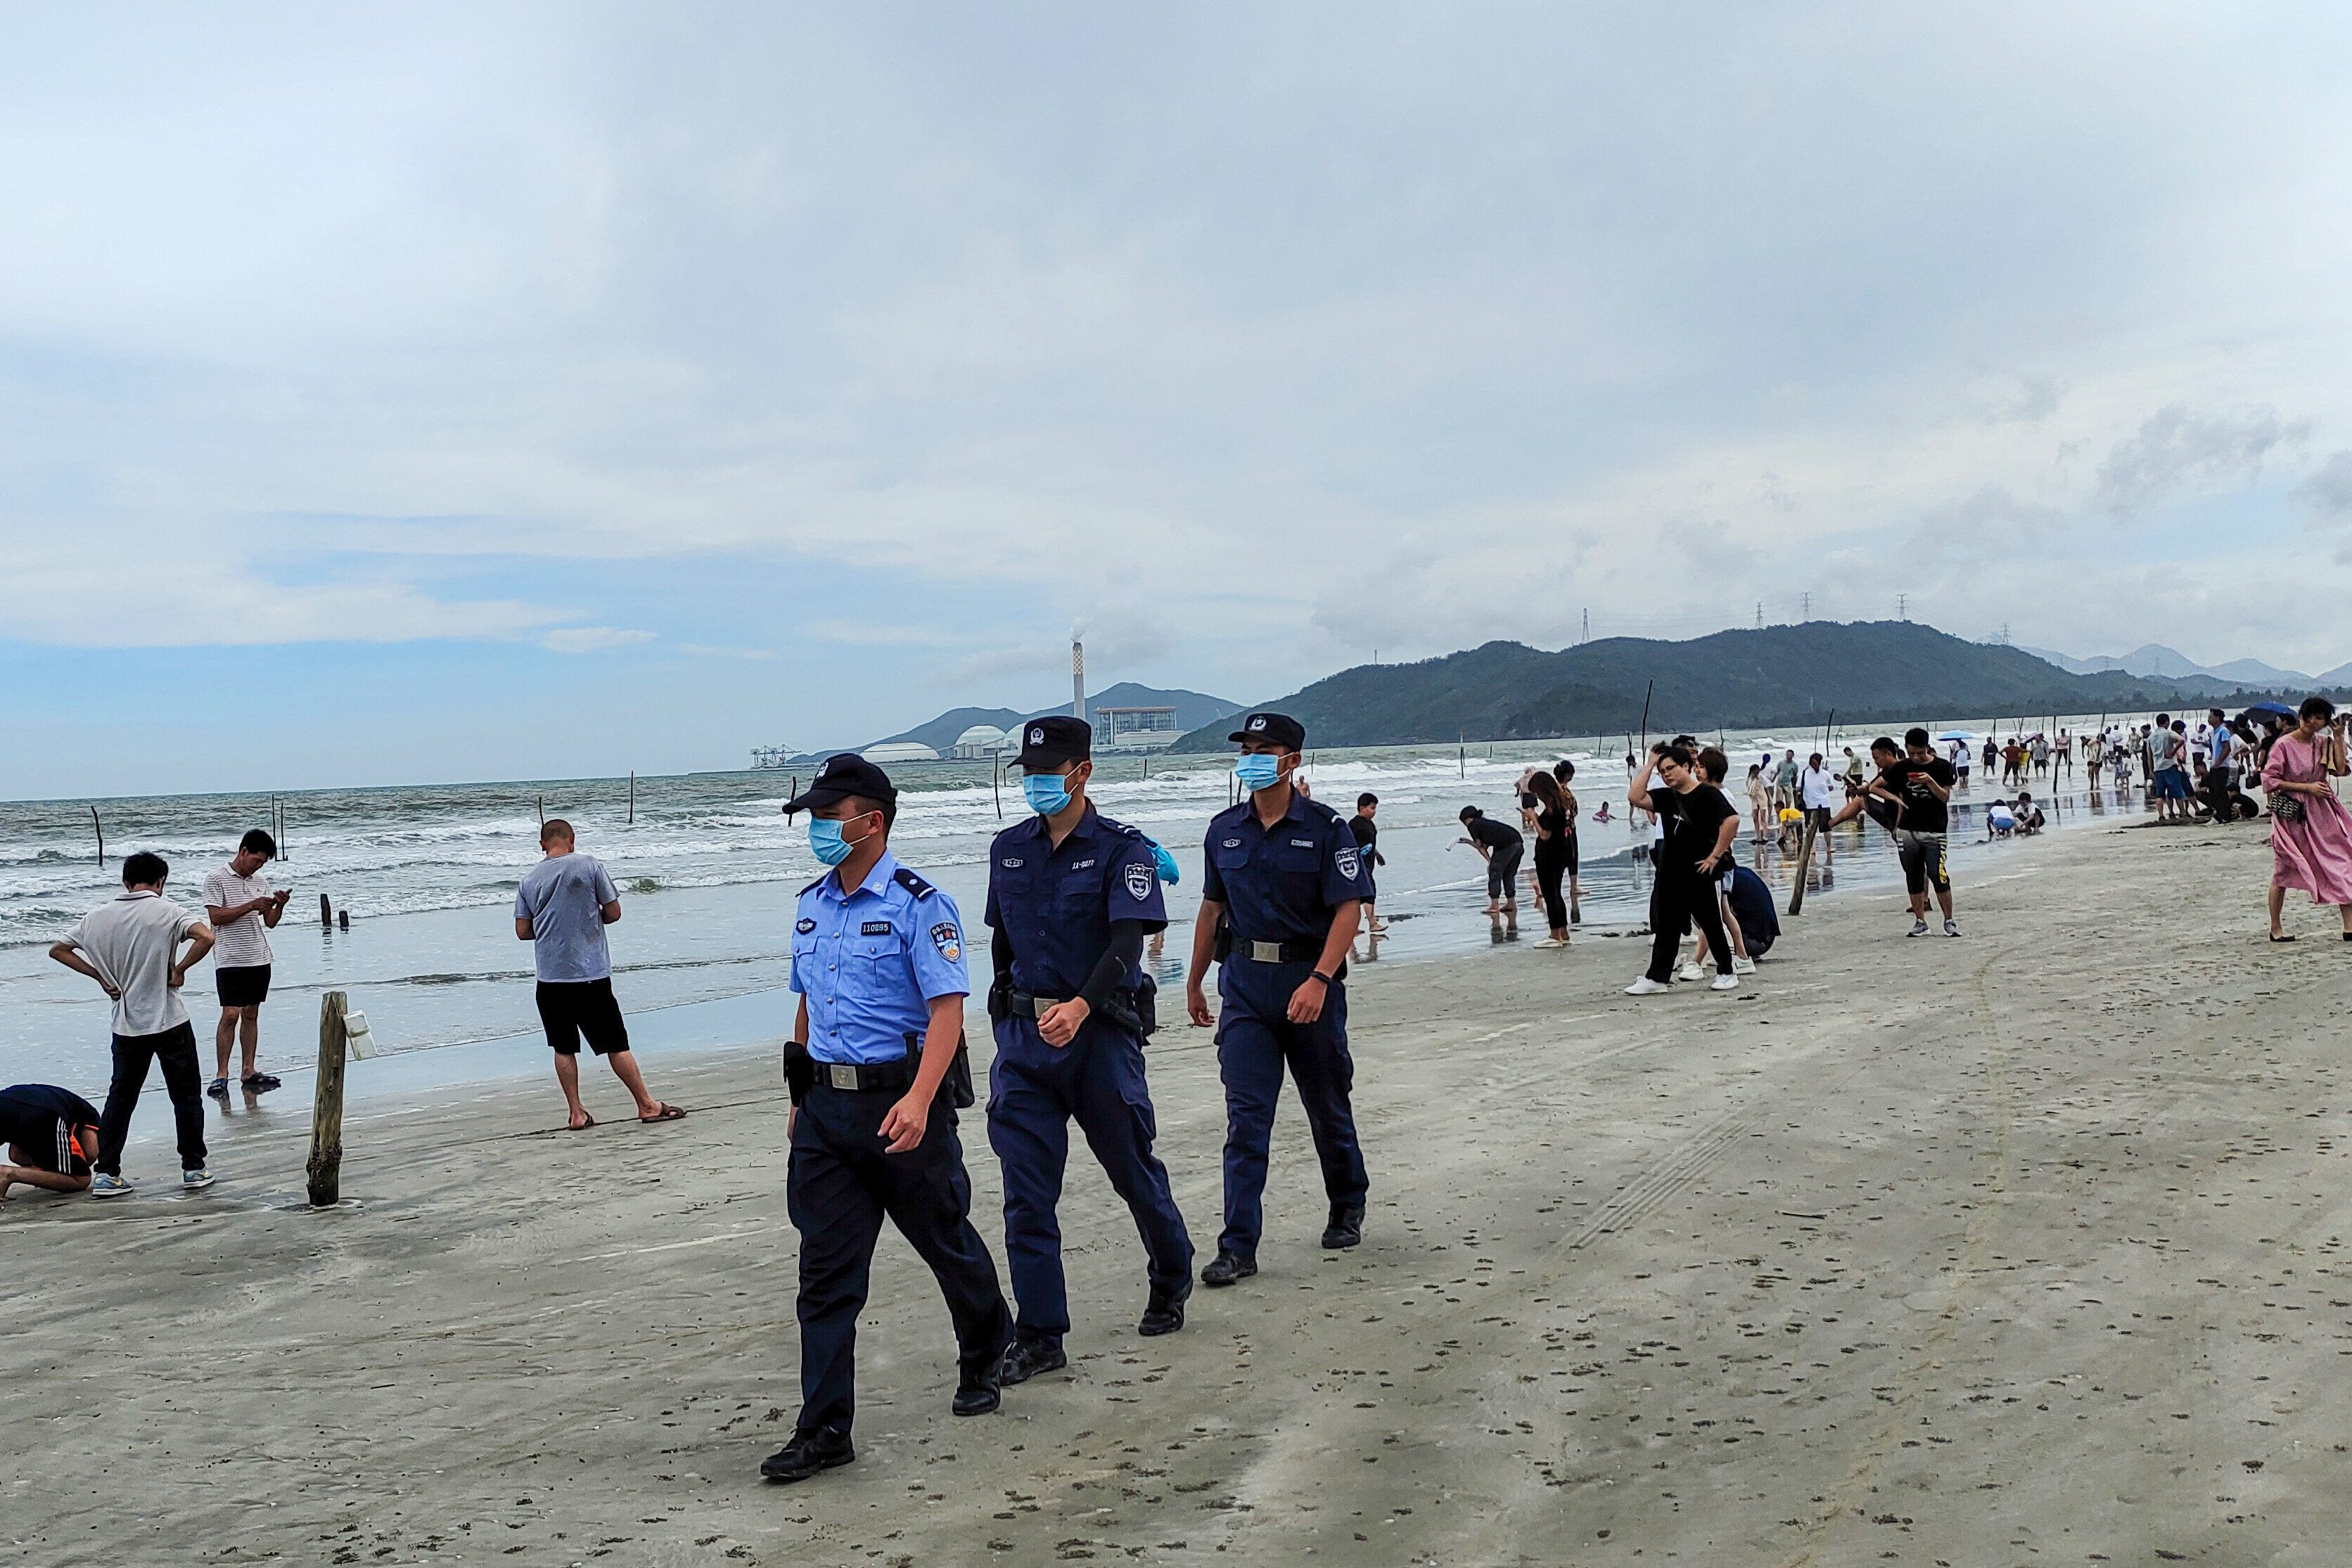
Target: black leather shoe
1347 1227
1224 1269
1164 1314
806 1454
977 1393
1027 1358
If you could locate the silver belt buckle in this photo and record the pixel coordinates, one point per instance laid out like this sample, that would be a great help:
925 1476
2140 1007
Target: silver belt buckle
840 1075
1267 952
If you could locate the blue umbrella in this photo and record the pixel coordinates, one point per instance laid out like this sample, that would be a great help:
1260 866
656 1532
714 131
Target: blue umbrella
2279 708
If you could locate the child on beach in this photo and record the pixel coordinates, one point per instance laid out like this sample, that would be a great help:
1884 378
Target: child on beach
131 947
561 909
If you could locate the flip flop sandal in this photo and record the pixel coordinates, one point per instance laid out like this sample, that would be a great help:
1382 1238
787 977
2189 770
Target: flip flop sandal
668 1112
260 1081
2290 938
582 1127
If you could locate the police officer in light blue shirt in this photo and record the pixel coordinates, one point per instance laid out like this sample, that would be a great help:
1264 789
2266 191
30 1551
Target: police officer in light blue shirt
1282 889
1072 896
877 1068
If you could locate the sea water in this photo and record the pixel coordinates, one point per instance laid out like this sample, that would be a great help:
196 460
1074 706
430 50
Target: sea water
708 869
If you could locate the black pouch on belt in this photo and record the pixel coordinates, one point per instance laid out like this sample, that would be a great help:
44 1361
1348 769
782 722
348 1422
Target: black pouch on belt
956 1087
800 1071
1138 1010
1225 944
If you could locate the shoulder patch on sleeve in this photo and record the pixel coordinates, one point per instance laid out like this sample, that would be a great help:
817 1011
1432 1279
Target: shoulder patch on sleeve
947 940
912 883
1348 862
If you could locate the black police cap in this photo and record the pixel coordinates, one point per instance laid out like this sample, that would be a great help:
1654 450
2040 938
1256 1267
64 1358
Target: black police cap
1052 741
840 777
1278 728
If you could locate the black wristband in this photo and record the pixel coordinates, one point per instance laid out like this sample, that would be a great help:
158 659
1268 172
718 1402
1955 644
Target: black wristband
1327 981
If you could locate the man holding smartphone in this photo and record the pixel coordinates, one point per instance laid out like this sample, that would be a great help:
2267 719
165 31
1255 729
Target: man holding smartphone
243 909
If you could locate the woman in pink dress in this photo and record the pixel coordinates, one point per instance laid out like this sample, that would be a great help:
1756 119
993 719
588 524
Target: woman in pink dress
2310 849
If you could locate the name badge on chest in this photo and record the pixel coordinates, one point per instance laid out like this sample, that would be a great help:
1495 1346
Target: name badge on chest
874 928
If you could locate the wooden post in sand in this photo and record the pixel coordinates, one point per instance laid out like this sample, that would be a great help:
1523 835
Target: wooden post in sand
326 1167
1804 859
100 828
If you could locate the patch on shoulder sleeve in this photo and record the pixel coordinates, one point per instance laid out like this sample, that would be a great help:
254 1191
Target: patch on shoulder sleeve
947 940
1347 863
1139 880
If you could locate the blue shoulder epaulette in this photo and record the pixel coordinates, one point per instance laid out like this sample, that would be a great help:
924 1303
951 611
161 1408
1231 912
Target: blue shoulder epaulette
912 883
813 886
1119 828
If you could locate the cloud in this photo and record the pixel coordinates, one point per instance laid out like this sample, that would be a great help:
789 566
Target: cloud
879 634
701 652
590 639
2325 492
2178 451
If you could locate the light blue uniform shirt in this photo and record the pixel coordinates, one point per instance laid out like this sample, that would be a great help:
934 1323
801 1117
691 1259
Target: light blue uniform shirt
870 962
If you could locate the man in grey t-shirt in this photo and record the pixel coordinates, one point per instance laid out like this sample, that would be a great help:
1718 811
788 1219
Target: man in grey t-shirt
131 947
561 909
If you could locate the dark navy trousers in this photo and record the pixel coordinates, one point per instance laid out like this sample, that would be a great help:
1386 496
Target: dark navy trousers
1255 1040
839 1188
1034 1093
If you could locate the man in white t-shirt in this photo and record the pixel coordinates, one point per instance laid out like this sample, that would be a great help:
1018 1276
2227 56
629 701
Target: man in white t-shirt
1819 794
131 947
243 909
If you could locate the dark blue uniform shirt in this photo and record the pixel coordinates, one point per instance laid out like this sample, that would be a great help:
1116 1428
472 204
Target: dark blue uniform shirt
1281 885
1057 903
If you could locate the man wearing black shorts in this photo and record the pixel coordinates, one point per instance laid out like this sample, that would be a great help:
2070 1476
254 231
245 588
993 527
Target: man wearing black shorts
561 909
243 909
50 1137
1503 848
1920 784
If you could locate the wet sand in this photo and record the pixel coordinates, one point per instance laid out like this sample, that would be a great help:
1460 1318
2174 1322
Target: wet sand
2018 1249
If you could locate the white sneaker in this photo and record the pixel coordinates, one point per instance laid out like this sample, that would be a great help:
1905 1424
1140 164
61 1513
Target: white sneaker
103 1185
1724 983
1690 971
190 1180
1646 986
1743 965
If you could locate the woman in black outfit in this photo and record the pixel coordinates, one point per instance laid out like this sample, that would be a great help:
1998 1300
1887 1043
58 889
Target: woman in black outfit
1555 822
1563 773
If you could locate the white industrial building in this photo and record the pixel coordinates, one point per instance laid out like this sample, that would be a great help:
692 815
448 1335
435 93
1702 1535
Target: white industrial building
979 743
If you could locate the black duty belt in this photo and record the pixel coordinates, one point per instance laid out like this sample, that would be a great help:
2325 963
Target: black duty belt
858 1078
1278 952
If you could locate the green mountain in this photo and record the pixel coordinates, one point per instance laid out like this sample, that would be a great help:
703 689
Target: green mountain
1870 671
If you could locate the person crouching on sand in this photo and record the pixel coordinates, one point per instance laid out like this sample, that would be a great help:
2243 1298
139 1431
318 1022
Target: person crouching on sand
50 1137
561 909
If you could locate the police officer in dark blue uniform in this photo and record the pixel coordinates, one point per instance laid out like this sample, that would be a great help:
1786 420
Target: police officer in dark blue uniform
877 1068
1282 887
1071 896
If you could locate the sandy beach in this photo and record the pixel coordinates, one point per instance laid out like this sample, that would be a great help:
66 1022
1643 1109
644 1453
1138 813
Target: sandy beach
2018 1248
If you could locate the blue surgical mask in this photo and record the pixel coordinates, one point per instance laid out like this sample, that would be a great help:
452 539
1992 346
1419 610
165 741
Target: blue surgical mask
1257 771
826 844
1048 792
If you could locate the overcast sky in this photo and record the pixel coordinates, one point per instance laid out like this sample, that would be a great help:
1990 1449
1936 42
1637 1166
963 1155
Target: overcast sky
407 393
